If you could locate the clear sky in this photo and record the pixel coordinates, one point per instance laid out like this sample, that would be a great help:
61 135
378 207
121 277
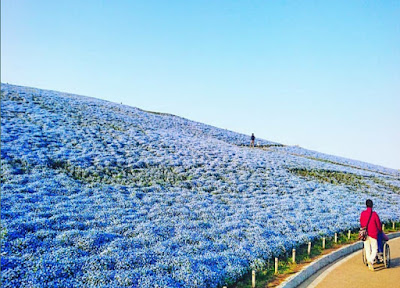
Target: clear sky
324 75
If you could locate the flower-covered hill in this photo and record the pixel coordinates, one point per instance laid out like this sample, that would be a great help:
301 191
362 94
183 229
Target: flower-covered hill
97 194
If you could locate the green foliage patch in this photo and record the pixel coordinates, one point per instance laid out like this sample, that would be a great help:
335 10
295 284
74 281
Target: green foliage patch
332 177
353 181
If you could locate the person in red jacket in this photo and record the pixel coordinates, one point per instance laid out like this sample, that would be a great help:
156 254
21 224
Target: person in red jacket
374 228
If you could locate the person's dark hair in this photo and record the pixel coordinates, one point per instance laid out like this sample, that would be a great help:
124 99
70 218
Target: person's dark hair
369 203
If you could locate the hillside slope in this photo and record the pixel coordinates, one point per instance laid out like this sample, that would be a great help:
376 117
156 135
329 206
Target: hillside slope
95 193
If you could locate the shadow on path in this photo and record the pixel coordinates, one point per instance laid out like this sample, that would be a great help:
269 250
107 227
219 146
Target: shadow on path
395 262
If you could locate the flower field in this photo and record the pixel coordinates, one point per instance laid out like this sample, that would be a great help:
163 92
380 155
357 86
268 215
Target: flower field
98 194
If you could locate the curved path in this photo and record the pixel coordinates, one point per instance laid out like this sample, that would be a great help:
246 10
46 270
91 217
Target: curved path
351 272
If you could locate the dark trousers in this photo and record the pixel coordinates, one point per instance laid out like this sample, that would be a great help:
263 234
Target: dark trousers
380 242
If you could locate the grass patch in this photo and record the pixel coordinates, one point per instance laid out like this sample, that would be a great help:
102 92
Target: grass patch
157 113
142 175
262 146
353 181
340 164
332 177
395 189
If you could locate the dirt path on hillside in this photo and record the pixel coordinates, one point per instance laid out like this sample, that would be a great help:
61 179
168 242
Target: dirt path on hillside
351 272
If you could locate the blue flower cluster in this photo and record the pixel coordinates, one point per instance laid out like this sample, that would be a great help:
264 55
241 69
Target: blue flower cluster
96 194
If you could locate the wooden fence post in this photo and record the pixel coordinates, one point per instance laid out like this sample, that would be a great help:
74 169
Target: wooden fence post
335 237
253 279
393 225
323 242
309 249
349 234
276 265
294 255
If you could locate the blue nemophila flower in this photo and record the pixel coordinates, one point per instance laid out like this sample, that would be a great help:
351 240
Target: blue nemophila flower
95 194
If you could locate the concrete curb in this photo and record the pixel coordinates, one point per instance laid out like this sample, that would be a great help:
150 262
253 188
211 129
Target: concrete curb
320 263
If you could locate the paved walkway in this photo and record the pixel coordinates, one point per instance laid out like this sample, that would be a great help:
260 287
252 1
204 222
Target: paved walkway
351 272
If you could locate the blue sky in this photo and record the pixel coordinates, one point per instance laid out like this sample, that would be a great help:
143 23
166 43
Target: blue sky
324 75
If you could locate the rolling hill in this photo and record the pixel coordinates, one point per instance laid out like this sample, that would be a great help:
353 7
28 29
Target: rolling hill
98 194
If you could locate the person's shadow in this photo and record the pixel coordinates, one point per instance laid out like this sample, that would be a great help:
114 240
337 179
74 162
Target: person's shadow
395 262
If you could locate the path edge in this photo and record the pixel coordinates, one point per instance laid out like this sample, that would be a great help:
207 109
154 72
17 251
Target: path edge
301 276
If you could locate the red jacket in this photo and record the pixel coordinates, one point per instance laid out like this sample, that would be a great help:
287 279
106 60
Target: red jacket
374 226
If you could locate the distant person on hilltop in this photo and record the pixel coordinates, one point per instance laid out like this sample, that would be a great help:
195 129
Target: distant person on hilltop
371 221
252 140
